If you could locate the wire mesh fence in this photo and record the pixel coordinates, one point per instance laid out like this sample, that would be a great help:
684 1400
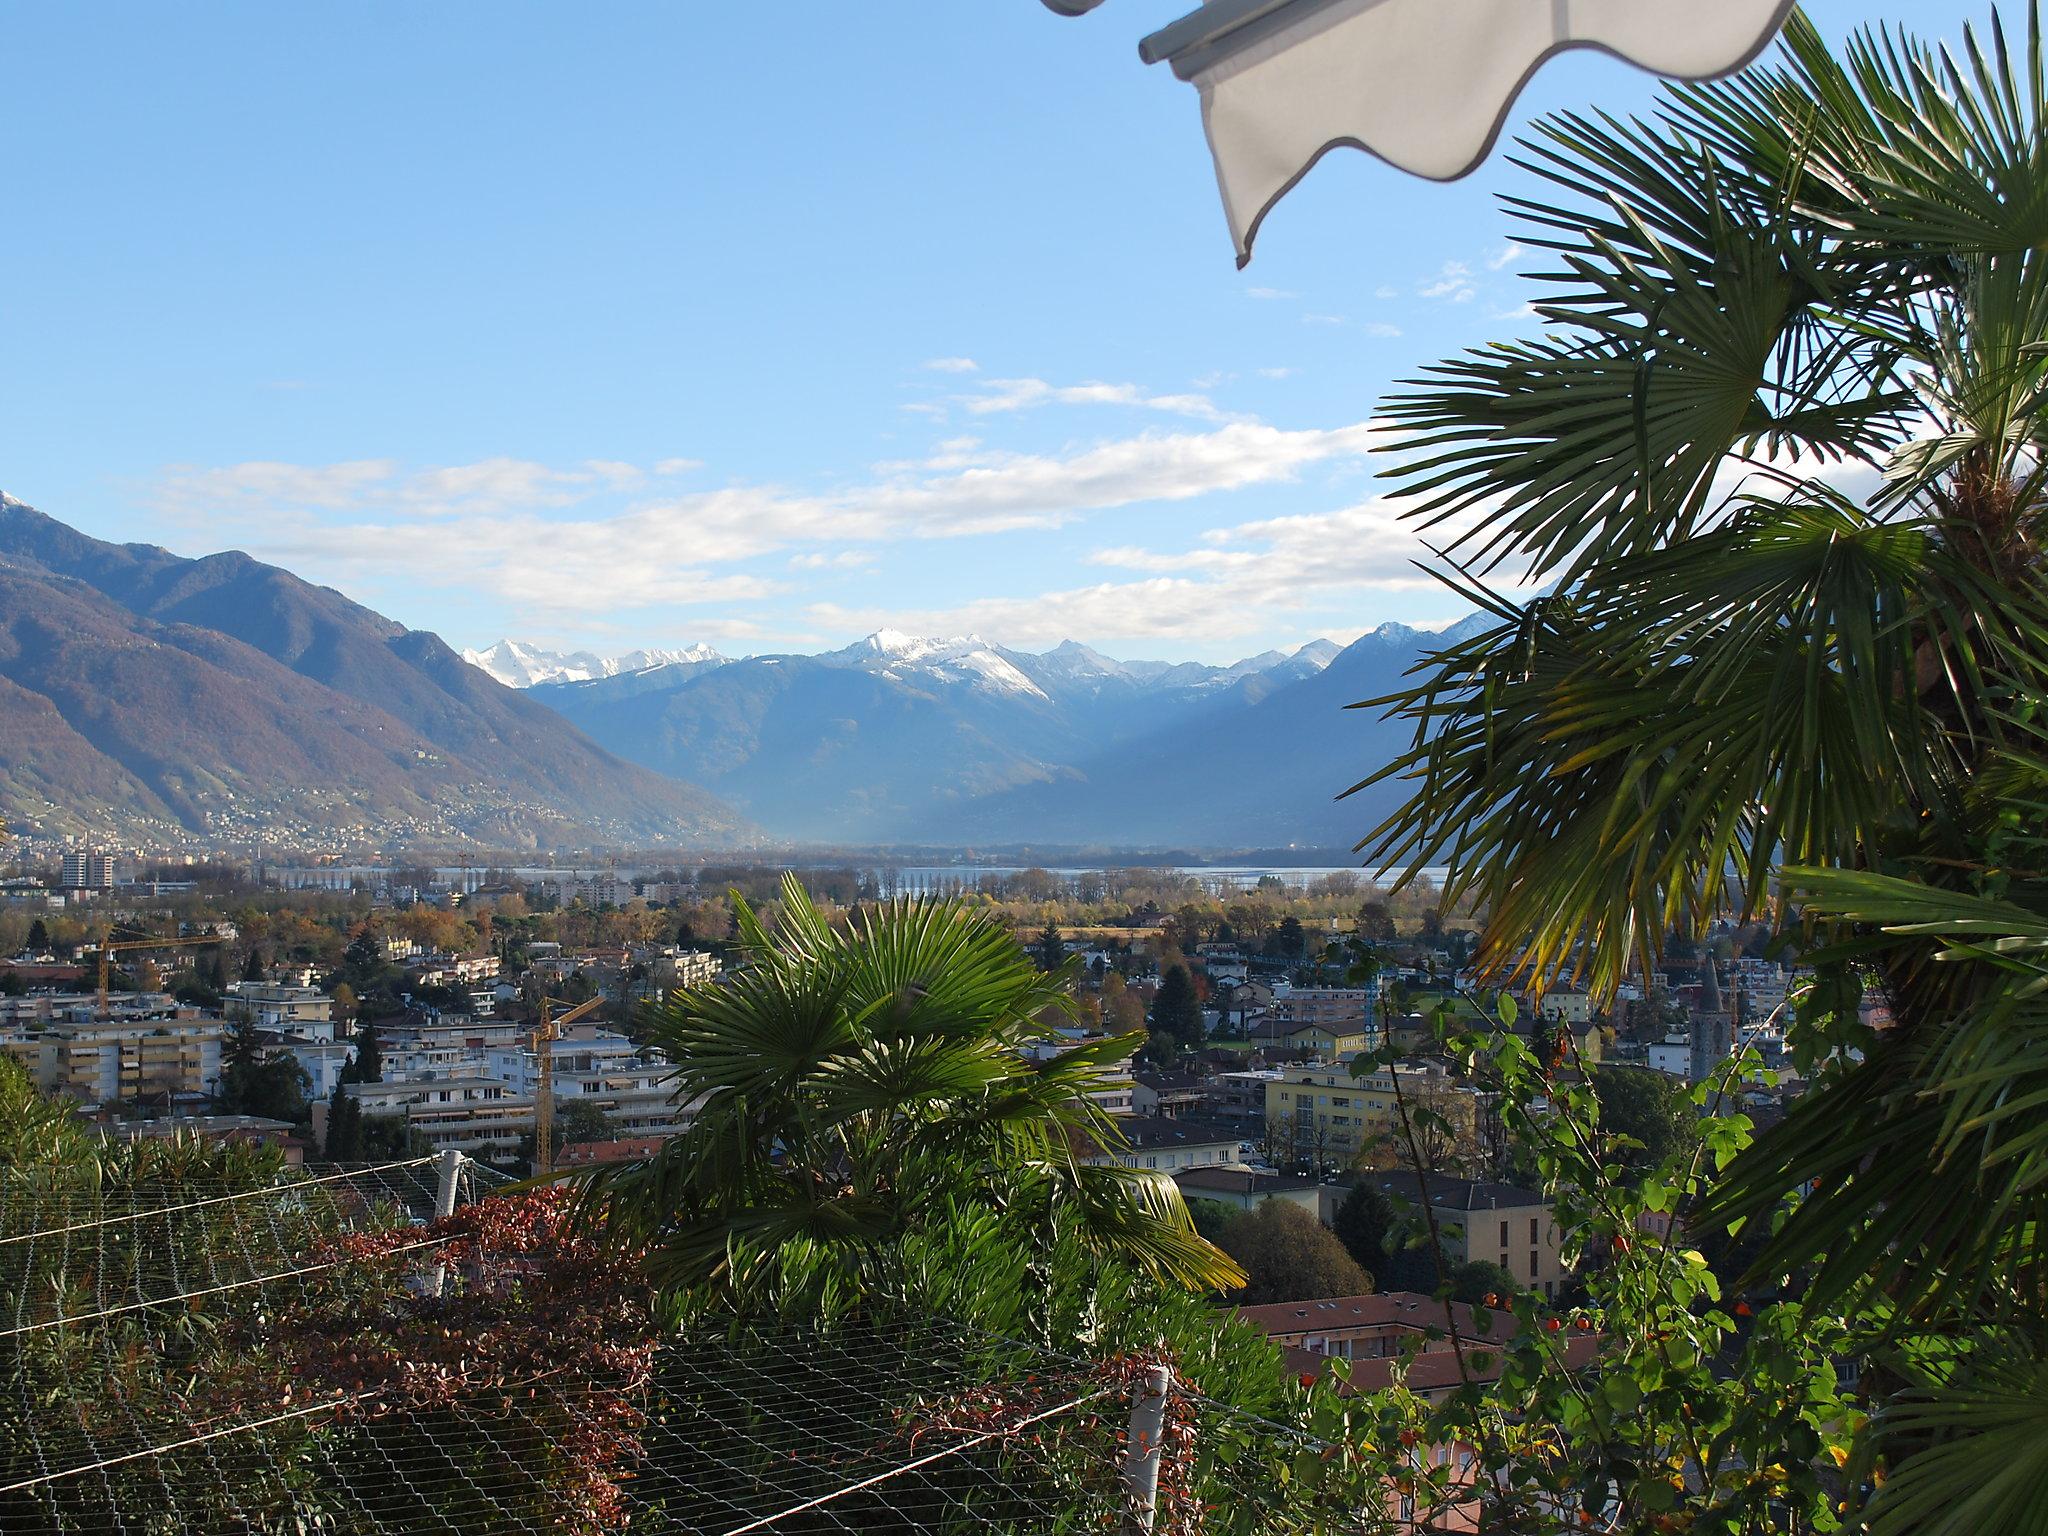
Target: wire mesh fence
192 1353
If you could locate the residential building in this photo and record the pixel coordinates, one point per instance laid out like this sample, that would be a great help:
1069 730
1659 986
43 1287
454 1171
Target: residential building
1564 1005
1478 1220
167 1059
88 870
1169 1095
1242 1095
629 1084
1389 1335
1672 1056
1334 1023
628 1149
297 1010
321 1060
472 1113
1244 1188
1172 1145
238 1130
1118 1086
673 969
1320 1114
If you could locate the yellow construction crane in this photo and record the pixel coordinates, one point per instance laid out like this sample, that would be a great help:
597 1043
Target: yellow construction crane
544 1036
108 944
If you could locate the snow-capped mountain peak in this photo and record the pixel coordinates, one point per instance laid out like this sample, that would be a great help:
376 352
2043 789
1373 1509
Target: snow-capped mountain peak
958 659
520 664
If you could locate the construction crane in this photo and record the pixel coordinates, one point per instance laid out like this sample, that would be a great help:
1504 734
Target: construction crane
108 944
544 1036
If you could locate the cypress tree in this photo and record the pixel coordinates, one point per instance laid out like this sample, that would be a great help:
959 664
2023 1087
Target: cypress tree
1050 949
337 1111
369 1054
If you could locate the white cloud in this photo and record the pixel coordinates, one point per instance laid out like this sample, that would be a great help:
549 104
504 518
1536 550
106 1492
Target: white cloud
841 560
952 365
1322 320
1270 293
1253 579
677 466
302 485
1453 284
1503 256
1000 395
508 527
1386 291
1277 373
1381 328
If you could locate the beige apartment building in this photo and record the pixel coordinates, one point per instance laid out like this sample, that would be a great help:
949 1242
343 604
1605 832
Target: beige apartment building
1335 1023
107 1062
1477 1220
1323 1115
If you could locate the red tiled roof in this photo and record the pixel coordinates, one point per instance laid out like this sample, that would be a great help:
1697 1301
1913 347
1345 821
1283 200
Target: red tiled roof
1405 1308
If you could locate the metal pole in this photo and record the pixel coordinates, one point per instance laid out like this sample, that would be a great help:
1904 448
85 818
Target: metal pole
544 1100
450 1167
1141 1450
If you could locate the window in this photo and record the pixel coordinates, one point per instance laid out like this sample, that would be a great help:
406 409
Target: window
1503 1234
1532 1264
1532 1228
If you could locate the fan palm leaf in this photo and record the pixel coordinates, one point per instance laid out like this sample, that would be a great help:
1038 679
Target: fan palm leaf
846 1083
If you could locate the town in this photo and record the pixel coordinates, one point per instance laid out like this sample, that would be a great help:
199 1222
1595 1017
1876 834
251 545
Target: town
340 1015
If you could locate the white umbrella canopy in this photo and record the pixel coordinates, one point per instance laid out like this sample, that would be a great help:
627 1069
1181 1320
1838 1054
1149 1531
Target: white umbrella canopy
1424 84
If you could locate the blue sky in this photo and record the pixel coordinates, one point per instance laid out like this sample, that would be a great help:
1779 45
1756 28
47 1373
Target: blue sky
763 325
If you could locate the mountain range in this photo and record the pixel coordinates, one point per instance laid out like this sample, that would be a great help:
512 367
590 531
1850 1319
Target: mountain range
906 739
518 665
149 698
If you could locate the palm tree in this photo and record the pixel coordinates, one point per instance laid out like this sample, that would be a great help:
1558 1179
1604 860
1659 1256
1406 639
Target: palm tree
1777 466
853 1087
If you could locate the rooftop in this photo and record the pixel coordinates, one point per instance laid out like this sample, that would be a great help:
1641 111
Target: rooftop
1449 1194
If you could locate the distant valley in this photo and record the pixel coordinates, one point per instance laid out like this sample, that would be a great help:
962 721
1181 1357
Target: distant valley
906 739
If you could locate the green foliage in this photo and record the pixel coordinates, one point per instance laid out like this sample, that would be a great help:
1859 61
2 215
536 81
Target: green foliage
1364 1224
255 1080
1050 950
1473 1281
1288 1255
1654 1113
1176 1016
853 1085
344 1142
1783 702
368 1065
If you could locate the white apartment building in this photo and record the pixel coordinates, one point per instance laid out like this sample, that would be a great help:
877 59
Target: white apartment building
602 1068
1118 1088
472 1113
672 968
296 1010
